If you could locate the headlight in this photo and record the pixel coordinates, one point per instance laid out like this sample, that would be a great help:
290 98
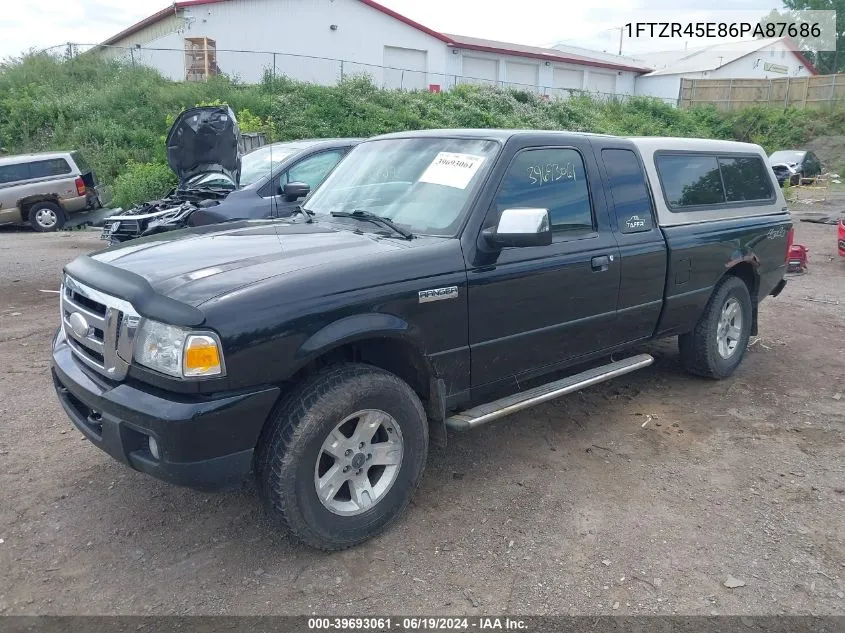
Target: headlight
178 351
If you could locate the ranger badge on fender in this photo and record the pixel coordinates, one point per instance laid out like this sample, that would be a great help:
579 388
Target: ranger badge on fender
438 294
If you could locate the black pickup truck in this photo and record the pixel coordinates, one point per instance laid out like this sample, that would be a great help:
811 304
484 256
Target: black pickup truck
420 288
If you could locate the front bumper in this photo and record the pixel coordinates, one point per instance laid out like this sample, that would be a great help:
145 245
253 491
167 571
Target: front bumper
203 442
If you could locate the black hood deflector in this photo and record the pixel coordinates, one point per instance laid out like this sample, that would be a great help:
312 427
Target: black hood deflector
204 140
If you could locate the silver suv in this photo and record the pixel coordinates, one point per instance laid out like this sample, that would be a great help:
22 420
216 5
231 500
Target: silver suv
43 189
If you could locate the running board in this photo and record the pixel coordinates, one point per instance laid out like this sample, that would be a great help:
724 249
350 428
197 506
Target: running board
472 418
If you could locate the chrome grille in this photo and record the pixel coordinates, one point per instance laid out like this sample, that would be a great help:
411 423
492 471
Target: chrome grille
99 328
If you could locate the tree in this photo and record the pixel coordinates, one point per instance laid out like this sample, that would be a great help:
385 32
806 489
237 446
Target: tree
826 62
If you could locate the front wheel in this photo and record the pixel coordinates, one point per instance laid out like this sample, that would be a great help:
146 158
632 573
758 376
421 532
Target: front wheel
718 343
342 456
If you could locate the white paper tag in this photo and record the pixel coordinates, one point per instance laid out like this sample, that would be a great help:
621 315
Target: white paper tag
452 170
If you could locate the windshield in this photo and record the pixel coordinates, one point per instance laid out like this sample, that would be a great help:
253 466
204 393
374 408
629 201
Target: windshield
787 156
261 162
422 184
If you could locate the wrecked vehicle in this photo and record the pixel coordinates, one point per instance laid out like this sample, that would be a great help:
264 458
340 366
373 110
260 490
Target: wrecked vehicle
794 166
217 184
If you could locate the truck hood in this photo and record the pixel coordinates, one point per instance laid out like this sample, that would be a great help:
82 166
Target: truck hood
204 140
196 265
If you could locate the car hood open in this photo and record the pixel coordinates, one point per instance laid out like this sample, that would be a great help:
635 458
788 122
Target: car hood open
204 140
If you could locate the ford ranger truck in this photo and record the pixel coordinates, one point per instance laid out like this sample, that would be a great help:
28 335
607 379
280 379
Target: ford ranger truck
429 278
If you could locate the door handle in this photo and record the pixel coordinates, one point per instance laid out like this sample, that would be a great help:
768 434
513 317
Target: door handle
600 263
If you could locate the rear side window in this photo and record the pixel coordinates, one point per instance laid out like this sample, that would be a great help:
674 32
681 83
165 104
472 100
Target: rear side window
745 178
552 179
13 173
80 161
46 168
690 180
628 189
702 180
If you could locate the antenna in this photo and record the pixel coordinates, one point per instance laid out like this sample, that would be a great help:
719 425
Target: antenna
272 198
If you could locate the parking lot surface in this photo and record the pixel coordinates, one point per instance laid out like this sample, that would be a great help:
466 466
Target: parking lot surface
639 496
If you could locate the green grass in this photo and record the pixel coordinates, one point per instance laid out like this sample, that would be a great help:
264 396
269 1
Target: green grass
119 115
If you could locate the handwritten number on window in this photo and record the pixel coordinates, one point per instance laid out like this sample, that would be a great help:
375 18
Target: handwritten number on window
550 172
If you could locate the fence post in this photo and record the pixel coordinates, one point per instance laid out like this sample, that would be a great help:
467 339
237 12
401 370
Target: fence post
806 90
402 81
730 94
786 96
341 70
274 67
833 91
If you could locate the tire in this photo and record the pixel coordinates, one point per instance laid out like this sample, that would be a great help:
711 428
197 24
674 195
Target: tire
795 179
292 457
703 350
45 217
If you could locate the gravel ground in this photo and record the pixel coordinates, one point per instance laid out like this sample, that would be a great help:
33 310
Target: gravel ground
639 496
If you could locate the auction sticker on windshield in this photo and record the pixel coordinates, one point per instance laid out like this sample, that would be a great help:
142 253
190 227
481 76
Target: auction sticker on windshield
452 170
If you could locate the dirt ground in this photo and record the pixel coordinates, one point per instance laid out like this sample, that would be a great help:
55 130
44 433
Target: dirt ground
638 496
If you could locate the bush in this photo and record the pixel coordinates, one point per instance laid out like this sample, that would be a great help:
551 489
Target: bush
141 182
119 115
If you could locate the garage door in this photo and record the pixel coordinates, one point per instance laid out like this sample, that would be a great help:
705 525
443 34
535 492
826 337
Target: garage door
566 79
405 68
602 82
480 71
519 75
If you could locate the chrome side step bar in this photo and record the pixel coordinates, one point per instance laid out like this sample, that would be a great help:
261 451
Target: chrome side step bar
483 413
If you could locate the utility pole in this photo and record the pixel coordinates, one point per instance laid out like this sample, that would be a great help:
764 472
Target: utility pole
621 31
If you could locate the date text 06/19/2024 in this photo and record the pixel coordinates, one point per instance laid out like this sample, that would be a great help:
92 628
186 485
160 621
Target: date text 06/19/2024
417 624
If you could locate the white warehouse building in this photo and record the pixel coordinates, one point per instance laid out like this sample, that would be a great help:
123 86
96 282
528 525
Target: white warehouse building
751 59
331 39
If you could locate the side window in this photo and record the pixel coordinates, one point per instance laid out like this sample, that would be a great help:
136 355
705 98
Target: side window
313 169
47 168
745 178
552 179
629 190
690 180
13 173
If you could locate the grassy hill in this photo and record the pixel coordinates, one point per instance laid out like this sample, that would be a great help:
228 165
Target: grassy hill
119 115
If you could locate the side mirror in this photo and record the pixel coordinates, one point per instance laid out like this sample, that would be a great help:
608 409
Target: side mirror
295 190
521 227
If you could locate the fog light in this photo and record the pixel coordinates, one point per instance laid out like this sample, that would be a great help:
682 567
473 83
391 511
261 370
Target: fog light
154 447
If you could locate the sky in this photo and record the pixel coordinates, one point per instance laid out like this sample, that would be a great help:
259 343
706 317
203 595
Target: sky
42 23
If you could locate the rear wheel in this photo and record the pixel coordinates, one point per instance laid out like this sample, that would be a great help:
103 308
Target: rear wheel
718 343
341 458
46 216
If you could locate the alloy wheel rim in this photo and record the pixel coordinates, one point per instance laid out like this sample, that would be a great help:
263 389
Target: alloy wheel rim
46 218
358 462
729 328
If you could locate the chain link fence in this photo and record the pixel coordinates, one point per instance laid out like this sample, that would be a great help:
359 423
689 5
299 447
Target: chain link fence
205 61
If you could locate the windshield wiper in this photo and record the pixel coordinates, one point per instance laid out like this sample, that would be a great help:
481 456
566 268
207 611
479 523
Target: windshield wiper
308 214
375 219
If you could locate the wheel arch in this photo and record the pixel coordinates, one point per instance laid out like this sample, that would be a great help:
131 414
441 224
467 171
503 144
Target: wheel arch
385 341
746 272
24 204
